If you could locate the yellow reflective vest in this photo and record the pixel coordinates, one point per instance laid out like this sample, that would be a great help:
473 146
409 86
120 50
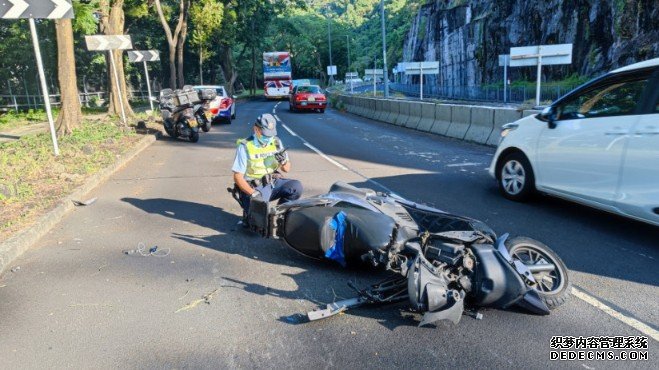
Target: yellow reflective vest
260 160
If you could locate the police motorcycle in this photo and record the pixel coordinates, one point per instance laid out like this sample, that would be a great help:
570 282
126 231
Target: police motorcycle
176 107
202 109
444 265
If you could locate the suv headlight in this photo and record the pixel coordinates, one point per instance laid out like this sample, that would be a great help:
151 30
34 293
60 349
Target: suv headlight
507 128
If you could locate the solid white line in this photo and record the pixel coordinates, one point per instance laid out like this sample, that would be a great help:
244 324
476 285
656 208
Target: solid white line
643 328
463 164
289 130
277 118
337 164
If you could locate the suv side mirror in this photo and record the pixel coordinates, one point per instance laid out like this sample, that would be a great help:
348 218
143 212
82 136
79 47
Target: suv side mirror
549 115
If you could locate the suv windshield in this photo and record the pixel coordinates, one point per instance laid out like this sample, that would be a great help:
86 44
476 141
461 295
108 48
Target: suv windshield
309 89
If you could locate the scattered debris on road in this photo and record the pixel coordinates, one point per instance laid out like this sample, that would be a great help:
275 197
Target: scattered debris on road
16 269
206 298
153 251
85 203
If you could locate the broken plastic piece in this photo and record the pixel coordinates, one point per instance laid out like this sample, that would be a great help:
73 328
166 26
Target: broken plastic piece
335 308
85 203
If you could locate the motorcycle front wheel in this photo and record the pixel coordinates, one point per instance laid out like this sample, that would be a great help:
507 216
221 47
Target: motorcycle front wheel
206 126
194 136
548 270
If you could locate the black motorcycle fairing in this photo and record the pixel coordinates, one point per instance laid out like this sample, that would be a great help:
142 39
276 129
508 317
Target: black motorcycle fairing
308 231
495 282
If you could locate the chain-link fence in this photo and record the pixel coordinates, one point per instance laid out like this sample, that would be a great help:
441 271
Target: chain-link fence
26 102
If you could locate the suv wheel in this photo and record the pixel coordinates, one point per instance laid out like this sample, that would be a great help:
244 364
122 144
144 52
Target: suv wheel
515 175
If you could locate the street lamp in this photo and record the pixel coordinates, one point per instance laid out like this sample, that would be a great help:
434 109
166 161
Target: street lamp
349 64
384 52
329 37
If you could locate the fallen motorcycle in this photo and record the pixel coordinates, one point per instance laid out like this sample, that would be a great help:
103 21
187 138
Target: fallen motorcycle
202 110
440 263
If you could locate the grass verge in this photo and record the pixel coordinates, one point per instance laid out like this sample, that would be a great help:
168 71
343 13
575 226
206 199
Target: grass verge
32 179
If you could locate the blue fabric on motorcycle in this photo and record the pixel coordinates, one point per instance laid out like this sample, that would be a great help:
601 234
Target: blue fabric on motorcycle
335 253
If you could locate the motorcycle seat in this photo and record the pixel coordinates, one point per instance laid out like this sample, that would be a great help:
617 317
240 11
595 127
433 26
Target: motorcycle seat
308 231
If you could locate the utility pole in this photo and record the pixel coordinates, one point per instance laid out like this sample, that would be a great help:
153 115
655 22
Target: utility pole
329 37
349 64
384 53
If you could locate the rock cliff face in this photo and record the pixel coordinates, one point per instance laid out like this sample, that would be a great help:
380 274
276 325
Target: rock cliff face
466 36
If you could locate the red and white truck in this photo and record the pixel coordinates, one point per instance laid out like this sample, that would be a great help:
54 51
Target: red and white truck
277 76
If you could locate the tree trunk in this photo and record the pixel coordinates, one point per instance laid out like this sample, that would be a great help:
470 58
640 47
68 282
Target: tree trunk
70 115
112 23
226 63
173 38
181 42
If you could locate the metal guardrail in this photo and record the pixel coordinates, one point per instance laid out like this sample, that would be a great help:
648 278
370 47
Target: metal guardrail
24 102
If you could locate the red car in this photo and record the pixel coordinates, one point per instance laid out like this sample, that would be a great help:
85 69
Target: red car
308 97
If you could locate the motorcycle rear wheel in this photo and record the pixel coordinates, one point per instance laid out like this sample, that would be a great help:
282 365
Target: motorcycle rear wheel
552 284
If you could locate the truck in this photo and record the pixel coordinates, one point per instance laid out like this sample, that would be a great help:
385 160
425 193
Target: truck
277 75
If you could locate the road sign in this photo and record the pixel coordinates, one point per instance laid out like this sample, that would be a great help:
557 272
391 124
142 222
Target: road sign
50 9
537 56
421 69
352 75
331 70
109 42
426 68
547 54
137 56
374 72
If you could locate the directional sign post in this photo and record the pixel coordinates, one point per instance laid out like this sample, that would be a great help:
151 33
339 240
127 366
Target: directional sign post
421 68
50 9
351 76
144 56
374 73
109 43
539 55
504 61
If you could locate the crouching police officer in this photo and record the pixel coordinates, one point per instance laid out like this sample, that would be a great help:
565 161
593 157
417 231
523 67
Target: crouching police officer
260 160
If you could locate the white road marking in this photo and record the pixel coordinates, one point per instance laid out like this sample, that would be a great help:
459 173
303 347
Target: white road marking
337 164
463 164
643 328
289 130
277 117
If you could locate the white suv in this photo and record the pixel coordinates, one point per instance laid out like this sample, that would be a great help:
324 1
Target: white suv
597 145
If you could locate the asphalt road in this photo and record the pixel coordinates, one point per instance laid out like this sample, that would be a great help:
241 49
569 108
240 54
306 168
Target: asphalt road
78 301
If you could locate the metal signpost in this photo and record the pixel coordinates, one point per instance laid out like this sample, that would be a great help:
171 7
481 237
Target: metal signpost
31 9
539 55
136 56
109 43
504 61
374 73
351 76
421 68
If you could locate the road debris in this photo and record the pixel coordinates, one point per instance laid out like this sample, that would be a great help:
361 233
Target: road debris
85 203
16 269
143 251
206 298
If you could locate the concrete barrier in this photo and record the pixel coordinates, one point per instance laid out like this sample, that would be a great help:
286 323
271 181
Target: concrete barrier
427 117
482 124
415 115
501 117
442 119
371 108
392 115
530 112
378 108
404 112
384 112
460 121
